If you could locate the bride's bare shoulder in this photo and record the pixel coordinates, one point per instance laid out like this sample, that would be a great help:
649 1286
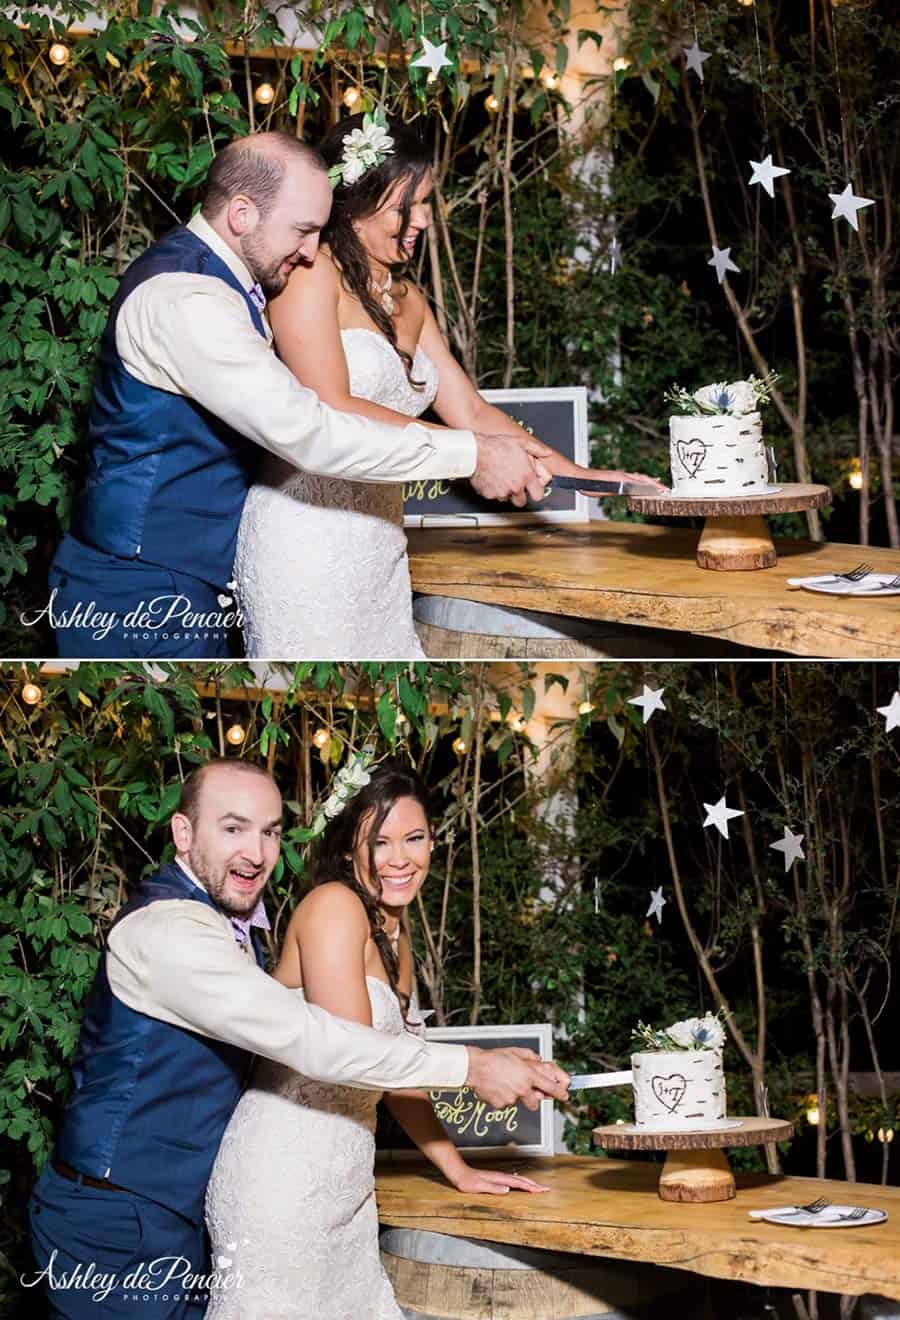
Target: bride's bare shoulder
334 905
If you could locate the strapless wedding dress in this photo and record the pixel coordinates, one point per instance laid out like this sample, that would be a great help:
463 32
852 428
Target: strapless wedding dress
291 1199
321 566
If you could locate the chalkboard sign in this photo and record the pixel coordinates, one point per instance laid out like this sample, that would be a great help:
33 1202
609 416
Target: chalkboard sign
557 416
473 1125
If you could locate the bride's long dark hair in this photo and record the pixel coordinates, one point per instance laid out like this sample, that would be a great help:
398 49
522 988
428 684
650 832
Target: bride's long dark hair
410 160
389 782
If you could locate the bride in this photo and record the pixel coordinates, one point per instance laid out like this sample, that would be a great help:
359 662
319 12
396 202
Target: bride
291 1203
321 563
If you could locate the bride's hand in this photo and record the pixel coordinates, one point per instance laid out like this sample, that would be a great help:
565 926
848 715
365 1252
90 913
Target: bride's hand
616 474
494 1182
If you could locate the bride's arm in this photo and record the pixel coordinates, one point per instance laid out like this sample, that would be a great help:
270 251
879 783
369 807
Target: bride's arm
329 931
304 320
459 404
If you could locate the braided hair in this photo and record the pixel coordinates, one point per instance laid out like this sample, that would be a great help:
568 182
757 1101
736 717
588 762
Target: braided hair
409 160
360 822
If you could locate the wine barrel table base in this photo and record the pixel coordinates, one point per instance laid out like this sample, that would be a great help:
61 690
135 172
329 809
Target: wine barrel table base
735 536
696 1169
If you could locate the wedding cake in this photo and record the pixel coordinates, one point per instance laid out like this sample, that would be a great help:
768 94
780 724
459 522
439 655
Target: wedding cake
716 446
678 1079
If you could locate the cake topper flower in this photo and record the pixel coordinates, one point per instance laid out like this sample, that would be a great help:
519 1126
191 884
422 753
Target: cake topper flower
363 148
706 1033
722 399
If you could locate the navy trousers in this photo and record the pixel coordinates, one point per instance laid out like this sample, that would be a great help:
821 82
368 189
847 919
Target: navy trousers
102 1254
104 608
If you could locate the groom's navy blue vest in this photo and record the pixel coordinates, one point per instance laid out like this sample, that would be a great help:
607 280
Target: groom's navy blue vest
151 1100
167 480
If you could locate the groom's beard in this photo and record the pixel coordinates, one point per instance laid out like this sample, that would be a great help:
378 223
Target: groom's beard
216 883
264 268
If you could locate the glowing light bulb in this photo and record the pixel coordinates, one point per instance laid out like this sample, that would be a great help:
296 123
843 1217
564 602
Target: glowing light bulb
886 1135
31 694
235 735
492 103
855 478
459 746
549 79
585 708
746 3
59 53
621 62
813 1116
264 94
516 723
320 738
432 78
351 97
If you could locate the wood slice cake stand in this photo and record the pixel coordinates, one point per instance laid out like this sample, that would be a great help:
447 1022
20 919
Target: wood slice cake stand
696 1168
735 535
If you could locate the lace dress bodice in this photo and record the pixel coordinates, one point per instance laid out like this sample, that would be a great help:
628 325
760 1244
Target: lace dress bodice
321 563
291 1201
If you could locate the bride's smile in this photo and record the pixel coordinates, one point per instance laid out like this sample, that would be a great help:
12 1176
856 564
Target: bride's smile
401 852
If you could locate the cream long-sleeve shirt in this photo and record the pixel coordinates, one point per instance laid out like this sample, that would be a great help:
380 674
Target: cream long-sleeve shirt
191 335
179 961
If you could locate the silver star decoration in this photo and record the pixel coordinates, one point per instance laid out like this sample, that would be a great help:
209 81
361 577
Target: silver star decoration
615 256
649 701
721 259
719 815
846 205
657 903
694 57
434 58
891 713
765 172
792 847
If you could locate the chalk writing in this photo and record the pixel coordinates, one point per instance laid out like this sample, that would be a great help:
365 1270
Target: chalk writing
464 1112
425 490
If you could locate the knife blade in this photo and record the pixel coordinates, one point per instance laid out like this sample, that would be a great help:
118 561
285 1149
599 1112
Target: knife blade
590 1081
603 487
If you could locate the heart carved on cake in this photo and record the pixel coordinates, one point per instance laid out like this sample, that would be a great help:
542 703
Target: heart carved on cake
670 1090
691 453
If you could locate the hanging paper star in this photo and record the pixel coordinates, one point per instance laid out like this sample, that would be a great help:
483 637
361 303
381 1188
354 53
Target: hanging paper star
765 172
694 57
792 847
721 259
649 701
615 256
719 815
846 205
657 903
434 58
891 713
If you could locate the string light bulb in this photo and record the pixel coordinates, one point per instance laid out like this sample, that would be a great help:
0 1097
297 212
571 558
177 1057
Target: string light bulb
320 738
351 97
855 478
59 53
31 694
459 746
621 63
585 708
886 1135
748 4
264 94
813 1115
516 723
235 735
549 79
492 103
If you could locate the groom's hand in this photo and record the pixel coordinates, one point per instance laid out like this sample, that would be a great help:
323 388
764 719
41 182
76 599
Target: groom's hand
513 1076
509 468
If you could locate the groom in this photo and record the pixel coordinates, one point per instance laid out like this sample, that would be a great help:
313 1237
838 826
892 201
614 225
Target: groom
179 1005
187 390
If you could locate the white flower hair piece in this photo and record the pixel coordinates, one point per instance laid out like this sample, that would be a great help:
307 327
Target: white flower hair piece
363 148
344 786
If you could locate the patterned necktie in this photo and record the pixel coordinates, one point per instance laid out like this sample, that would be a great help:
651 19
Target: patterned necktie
257 297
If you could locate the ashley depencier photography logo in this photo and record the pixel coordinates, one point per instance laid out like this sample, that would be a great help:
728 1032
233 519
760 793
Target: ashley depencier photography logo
166 1278
162 618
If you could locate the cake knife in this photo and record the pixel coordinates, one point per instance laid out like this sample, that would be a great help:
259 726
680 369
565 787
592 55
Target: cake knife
604 487
589 1081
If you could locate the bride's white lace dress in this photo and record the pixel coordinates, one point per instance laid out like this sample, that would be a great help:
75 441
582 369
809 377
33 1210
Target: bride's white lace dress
291 1200
321 564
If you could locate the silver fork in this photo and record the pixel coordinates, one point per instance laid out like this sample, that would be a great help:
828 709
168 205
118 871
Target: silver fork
858 1212
852 575
894 582
814 1208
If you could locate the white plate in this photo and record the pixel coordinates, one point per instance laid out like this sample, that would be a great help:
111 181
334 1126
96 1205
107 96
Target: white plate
830 1217
719 1125
867 586
756 495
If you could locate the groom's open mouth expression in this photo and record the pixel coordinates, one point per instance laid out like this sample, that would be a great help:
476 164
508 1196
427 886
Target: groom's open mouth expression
237 838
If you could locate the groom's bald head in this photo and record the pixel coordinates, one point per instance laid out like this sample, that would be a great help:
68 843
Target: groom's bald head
268 197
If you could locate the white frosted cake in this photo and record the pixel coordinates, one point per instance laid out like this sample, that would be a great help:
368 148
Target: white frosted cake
717 456
678 1089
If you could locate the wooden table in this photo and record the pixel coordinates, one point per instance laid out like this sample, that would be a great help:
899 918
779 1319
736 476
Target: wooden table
611 1208
633 573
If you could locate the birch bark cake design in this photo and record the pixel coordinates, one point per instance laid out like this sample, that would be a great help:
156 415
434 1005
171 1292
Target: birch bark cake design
716 446
678 1078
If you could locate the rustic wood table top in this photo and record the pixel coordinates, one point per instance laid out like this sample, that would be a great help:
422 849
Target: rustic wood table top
634 573
600 1207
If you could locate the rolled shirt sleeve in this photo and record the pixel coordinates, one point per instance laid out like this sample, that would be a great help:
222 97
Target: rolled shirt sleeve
190 334
179 962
